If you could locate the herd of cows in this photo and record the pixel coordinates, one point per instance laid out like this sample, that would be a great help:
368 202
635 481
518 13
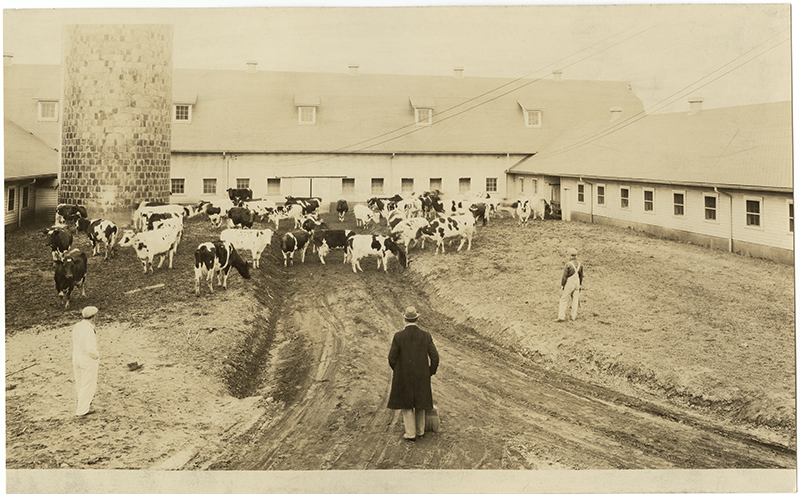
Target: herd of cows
158 228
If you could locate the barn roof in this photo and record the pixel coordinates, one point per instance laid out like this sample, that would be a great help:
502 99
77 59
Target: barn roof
25 155
743 146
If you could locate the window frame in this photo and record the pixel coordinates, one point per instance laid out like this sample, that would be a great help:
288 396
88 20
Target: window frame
527 114
682 205
651 202
301 121
404 185
216 186
11 199
25 197
581 193
706 209
535 186
188 118
273 183
759 215
374 182
600 199
348 186
427 122
239 183
790 211
40 117
491 184
174 181
431 185
461 182
625 202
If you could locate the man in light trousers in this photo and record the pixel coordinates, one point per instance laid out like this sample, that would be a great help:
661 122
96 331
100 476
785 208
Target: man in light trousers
85 360
571 281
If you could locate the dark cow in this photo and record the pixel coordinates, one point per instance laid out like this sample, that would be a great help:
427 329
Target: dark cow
380 246
478 211
310 204
217 257
153 221
68 213
296 241
384 205
431 203
71 273
326 240
215 209
238 216
100 232
238 195
342 208
59 239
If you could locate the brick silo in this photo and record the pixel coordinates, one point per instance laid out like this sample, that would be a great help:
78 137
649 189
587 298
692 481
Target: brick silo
116 117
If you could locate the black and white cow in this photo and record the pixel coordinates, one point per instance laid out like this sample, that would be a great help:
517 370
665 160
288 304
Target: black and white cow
148 244
154 221
67 214
479 212
364 215
242 217
431 204
380 246
524 211
342 208
384 205
144 210
327 240
238 195
296 241
263 208
217 257
408 231
70 273
293 212
310 204
254 241
215 209
59 239
100 232
441 229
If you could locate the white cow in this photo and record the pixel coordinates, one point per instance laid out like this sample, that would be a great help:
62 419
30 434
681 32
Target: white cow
148 244
364 215
254 241
407 231
538 207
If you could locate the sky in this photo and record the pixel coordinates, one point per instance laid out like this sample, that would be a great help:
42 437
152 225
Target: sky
727 54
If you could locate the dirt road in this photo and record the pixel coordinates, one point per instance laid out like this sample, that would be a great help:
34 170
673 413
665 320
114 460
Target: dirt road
498 410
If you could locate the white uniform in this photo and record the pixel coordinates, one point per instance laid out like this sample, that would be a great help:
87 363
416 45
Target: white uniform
85 363
571 290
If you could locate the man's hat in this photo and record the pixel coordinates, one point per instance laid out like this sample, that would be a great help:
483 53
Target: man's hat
410 314
572 251
89 311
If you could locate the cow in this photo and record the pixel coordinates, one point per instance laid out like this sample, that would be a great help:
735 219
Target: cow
292 242
411 207
262 207
342 208
310 204
145 209
431 204
59 239
380 246
148 244
395 217
153 221
449 227
100 232
491 203
243 217
69 213
215 209
217 257
539 207
458 207
325 240
254 241
293 212
70 273
523 211
479 212
364 215
384 205
408 231
238 195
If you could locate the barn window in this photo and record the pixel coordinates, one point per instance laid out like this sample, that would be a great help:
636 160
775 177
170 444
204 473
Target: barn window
209 186
48 111
464 184
521 185
678 203
533 119
242 183
601 195
491 185
625 197
182 113
436 184
791 216
423 110
348 186
753 211
307 115
535 186
11 203
25 196
178 186
710 206
273 186
581 193
649 199
407 185
377 186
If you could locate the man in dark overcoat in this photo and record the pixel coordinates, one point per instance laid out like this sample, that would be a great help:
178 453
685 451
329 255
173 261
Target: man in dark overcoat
414 359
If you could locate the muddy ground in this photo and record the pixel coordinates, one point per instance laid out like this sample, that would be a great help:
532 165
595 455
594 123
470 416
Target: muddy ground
682 358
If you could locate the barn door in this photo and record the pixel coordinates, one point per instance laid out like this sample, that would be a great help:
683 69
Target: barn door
300 187
566 204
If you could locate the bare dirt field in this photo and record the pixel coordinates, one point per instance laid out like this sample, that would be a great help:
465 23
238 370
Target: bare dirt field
681 358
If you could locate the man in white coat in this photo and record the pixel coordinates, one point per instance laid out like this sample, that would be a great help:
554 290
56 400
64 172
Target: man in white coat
571 282
85 360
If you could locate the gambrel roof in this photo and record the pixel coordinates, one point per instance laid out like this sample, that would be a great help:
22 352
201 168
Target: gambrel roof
743 147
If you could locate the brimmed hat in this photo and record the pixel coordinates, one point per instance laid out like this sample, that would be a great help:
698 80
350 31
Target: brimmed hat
572 251
89 311
410 314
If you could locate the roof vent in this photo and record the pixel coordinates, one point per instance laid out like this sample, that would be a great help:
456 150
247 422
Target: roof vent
8 59
252 66
353 69
616 112
695 105
458 72
557 76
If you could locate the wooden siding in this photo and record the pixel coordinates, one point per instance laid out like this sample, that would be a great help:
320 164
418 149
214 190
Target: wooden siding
19 215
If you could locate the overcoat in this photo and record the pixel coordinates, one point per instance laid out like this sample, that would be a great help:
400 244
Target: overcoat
414 359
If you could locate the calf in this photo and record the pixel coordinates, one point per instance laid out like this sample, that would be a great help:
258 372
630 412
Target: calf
292 242
380 246
243 217
364 215
238 195
325 240
217 257
100 232
253 240
70 273
69 213
523 211
342 208
59 239
148 244
441 229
